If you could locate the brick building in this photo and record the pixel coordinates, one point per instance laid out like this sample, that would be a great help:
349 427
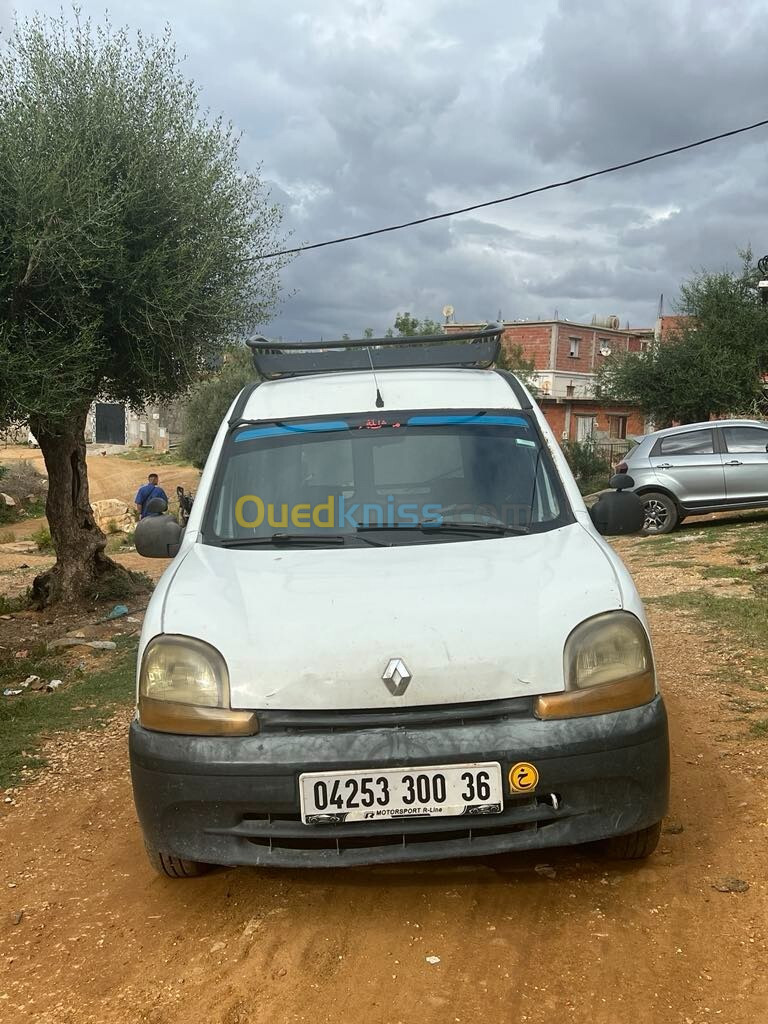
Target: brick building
566 357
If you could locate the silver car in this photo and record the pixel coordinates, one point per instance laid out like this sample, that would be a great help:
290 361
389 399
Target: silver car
699 468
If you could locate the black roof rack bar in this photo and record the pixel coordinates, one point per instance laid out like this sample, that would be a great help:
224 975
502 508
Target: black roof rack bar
275 359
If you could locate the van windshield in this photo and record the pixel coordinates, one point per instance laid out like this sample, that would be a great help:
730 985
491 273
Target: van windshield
394 478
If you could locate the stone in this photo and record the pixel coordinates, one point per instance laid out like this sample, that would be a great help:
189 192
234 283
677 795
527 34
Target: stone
546 870
74 641
20 547
730 885
113 510
7 499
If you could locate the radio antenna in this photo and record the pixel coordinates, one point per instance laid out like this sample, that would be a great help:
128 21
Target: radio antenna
379 399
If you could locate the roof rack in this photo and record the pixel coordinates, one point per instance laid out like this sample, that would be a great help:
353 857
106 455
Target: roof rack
276 359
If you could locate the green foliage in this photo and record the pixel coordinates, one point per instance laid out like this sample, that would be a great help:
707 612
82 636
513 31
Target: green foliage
209 402
128 232
407 326
511 358
42 538
711 366
590 465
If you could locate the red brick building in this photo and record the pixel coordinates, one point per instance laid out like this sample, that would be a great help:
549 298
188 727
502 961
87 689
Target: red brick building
566 357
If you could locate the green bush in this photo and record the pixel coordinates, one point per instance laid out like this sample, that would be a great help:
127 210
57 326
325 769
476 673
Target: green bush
590 465
42 538
209 402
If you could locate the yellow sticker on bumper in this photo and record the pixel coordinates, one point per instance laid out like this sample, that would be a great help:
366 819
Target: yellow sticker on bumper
523 777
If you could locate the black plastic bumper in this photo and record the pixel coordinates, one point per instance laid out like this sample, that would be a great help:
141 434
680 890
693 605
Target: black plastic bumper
236 801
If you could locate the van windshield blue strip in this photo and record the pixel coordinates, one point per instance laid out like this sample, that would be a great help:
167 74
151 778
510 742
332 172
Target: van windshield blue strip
322 426
475 420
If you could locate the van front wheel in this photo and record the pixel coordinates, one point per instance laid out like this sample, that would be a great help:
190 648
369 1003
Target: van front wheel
634 846
176 867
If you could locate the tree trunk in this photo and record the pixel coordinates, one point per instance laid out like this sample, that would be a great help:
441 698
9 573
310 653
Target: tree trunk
82 568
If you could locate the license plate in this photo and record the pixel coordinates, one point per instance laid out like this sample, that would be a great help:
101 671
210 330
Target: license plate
430 791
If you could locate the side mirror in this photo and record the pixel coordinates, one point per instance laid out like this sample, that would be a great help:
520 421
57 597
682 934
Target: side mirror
621 482
617 513
158 536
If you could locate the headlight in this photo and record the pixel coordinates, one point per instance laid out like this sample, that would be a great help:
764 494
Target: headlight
184 688
608 666
606 649
186 670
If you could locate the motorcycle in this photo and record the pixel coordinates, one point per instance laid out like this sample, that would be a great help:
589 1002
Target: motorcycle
185 505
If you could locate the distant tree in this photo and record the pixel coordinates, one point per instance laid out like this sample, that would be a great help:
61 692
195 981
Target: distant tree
368 332
210 400
511 357
128 245
711 365
407 326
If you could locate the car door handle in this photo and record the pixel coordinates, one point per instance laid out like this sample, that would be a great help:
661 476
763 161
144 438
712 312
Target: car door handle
664 465
734 462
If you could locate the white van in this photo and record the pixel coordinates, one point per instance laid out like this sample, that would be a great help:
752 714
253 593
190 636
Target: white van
391 630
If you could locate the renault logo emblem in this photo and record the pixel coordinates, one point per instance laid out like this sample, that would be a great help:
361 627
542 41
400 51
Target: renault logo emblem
396 677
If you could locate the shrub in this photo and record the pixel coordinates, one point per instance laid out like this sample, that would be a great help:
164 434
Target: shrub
24 484
590 466
42 538
209 402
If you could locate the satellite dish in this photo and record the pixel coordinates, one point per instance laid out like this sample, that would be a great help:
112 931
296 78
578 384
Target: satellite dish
448 312
604 350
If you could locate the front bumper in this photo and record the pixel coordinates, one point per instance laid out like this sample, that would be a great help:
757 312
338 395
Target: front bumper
236 800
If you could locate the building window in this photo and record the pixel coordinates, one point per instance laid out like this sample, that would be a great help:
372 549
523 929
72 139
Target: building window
617 426
585 427
574 349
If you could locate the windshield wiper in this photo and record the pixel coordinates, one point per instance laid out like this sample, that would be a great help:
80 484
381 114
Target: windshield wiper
279 539
499 529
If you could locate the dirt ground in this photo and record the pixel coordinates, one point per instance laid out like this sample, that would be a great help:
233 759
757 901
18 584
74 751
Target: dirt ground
109 476
88 933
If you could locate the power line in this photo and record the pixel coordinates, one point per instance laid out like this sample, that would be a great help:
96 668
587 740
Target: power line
518 195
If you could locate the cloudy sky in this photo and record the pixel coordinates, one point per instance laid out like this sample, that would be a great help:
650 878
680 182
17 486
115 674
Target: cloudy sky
363 113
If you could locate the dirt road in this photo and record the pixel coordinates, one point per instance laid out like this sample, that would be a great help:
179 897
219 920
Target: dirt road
109 476
104 939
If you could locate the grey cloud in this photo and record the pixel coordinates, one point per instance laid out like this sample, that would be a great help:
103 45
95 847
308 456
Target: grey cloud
364 113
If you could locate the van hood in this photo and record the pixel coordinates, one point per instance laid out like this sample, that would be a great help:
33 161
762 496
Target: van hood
311 629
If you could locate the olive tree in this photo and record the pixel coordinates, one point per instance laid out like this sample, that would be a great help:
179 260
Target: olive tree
129 251
711 365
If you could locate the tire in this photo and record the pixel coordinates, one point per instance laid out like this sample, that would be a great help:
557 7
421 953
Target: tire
661 515
634 846
175 867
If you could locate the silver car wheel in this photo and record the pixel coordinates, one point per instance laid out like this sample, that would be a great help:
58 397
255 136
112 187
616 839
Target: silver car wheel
656 515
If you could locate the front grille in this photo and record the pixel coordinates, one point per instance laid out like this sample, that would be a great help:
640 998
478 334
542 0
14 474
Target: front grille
470 712
341 844
274 833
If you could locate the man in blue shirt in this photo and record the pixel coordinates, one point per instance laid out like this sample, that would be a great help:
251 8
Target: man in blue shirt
148 491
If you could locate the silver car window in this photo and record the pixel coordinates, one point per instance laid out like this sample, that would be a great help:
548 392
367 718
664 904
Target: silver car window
692 442
746 439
